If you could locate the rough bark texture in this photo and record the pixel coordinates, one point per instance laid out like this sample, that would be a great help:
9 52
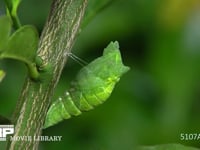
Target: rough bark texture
55 43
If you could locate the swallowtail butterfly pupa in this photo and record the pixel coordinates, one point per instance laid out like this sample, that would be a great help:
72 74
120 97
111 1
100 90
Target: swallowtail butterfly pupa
93 85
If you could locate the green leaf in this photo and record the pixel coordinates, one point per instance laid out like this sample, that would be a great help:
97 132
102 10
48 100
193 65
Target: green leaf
93 8
22 45
167 147
2 75
5 28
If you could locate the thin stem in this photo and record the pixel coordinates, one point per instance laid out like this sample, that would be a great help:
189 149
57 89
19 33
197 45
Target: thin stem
14 17
32 68
16 21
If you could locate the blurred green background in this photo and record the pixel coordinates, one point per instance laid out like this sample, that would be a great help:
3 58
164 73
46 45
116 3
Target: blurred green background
156 101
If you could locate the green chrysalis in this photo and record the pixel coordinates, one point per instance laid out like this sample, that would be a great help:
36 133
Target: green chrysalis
93 85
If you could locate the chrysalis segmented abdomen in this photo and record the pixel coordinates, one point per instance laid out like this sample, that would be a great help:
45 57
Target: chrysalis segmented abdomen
63 108
93 85
75 101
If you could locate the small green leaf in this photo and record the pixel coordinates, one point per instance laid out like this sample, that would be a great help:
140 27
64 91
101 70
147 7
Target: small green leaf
2 75
167 147
5 28
22 45
93 8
